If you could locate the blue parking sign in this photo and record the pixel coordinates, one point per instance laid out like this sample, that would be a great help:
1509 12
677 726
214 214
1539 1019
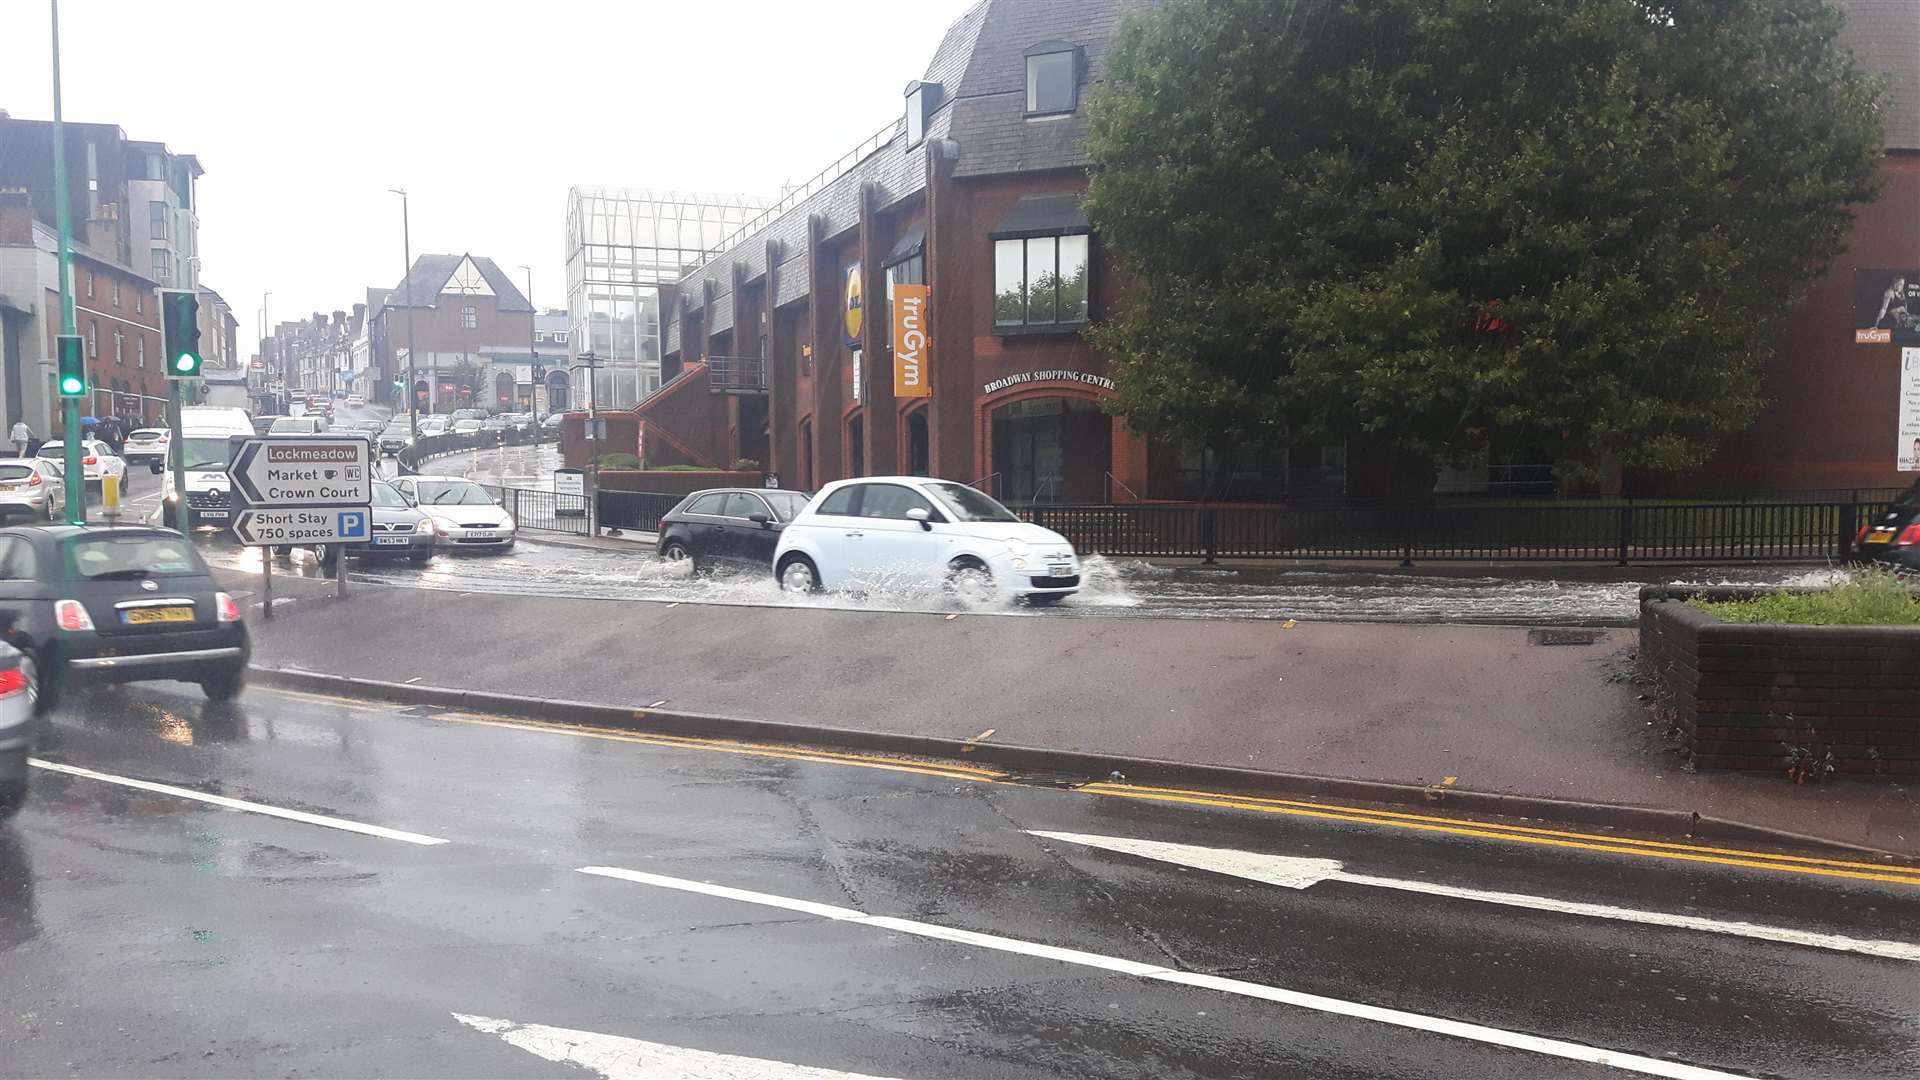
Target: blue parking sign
353 524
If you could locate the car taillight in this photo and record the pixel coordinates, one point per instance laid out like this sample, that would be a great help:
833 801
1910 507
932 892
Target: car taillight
71 615
1909 536
33 480
225 606
12 681
1861 536
89 460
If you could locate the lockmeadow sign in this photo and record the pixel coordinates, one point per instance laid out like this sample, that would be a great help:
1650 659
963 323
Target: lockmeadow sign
1024 377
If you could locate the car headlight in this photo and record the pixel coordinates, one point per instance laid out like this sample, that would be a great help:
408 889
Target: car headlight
1017 547
425 525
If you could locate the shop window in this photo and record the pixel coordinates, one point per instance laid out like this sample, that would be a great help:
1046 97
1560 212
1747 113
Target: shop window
1053 78
908 271
1040 281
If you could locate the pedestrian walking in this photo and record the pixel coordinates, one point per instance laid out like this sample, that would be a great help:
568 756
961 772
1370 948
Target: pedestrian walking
21 435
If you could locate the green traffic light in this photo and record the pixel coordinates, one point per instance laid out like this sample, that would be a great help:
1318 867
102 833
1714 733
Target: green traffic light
73 386
184 362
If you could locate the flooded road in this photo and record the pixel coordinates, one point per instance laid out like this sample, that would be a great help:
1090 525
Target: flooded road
1114 587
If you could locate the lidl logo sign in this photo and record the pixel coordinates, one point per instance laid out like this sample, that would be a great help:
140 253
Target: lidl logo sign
856 315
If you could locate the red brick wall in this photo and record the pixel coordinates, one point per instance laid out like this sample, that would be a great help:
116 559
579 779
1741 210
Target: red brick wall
1746 696
137 317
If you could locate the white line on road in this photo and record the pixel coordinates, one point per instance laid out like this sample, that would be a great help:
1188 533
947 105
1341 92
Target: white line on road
1416 1021
241 804
617 1057
1298 873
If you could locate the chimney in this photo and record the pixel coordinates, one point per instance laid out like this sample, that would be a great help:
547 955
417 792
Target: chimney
16 217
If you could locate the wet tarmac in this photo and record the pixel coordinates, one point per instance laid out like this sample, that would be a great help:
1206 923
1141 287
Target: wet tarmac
860 917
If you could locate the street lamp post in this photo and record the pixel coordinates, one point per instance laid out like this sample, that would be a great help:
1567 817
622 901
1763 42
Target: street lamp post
406 284
533 372
69 324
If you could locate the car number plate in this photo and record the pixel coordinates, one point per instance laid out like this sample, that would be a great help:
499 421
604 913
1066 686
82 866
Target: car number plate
143 616
391 541
9 487
1880 538
1060 569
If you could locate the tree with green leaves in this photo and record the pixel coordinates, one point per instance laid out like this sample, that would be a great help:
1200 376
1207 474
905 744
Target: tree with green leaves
1566 224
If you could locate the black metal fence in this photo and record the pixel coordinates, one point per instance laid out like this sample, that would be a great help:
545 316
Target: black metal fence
1573 532
637 511
547 511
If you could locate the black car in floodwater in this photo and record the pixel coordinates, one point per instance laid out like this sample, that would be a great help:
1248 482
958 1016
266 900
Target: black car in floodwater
728 527
1894 536
99 604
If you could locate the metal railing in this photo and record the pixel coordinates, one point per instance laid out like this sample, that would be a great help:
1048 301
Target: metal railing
806 189
736 374
1571 532
545 511
634 511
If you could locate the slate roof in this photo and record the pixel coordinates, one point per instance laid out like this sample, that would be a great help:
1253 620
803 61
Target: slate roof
430 274
1885 37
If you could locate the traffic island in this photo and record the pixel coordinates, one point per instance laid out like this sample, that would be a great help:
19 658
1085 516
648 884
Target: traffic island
1809 701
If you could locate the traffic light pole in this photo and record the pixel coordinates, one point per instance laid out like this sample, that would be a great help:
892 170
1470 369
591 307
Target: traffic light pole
177 461
75 477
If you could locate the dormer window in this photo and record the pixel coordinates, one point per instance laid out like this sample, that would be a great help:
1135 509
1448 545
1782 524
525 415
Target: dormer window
922 99
1053 78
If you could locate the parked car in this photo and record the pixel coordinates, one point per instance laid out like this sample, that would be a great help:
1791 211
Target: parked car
465 425
552 421
355 401
727 527
396 531
465 516
131 603
469 414
263 424
147 446
97 460
499 424
434 425
298 425
1894 536
17 691
32 487
915 531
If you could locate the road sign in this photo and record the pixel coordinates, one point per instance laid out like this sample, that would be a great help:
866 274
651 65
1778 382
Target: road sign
302 526
279 473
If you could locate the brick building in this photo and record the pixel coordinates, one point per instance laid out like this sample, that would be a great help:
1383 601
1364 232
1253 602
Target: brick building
470 325
777 347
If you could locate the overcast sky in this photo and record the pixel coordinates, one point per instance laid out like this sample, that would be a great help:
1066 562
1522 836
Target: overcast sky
304 113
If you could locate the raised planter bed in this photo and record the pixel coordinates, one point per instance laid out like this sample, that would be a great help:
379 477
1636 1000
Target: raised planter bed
1768 696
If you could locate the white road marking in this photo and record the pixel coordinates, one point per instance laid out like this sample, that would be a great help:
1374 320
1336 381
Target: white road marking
617 1057
1299 873
241 804
1398 1018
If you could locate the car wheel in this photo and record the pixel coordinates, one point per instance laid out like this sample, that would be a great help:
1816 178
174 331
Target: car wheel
226 685
969 582
797 574
43 682
157 468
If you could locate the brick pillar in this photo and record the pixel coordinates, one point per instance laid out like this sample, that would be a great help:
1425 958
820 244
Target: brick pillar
882 418
950 408
1129 464
782 378
823 307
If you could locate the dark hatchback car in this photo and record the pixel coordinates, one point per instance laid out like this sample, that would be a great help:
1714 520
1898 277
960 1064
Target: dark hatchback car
94 605
728 527
1893 536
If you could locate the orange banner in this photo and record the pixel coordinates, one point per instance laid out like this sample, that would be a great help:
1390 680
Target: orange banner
912 349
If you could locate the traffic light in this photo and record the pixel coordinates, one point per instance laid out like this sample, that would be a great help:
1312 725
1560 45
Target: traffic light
73 366
180 326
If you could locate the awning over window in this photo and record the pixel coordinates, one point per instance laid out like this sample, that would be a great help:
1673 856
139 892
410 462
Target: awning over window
1043 215
911 243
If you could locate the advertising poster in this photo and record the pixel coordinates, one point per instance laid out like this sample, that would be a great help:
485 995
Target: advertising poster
1908 453
1886 307
911 350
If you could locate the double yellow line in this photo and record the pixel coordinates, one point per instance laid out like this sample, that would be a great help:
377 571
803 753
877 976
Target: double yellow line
1394 819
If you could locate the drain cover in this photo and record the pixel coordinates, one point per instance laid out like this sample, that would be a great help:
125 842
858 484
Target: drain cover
1562 635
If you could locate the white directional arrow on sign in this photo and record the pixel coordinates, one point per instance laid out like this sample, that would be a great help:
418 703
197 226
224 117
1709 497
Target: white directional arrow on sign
619 1058
1300 873
286 472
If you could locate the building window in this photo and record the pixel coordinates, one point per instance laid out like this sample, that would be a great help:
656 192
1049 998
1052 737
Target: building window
1040 281
89 284
157 219
119 346
140 350
116 292
1053 78
160 273
909 271
468 319
93 340
922 99
139 301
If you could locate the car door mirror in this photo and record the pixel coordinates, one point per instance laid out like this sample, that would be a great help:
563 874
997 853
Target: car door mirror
760 519
920 514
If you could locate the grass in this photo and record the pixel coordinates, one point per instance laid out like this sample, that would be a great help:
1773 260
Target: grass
1869 597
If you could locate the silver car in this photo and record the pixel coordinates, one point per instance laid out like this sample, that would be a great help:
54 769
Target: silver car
465 516
398 531
18 688
31 487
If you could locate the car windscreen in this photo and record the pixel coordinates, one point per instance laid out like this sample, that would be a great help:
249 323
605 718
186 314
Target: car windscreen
292 423
384 495
787 504
971 504
10 473
52 451
108 558
453 493
201 453
397 428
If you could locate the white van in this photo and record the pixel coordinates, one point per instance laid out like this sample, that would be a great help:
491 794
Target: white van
204 447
